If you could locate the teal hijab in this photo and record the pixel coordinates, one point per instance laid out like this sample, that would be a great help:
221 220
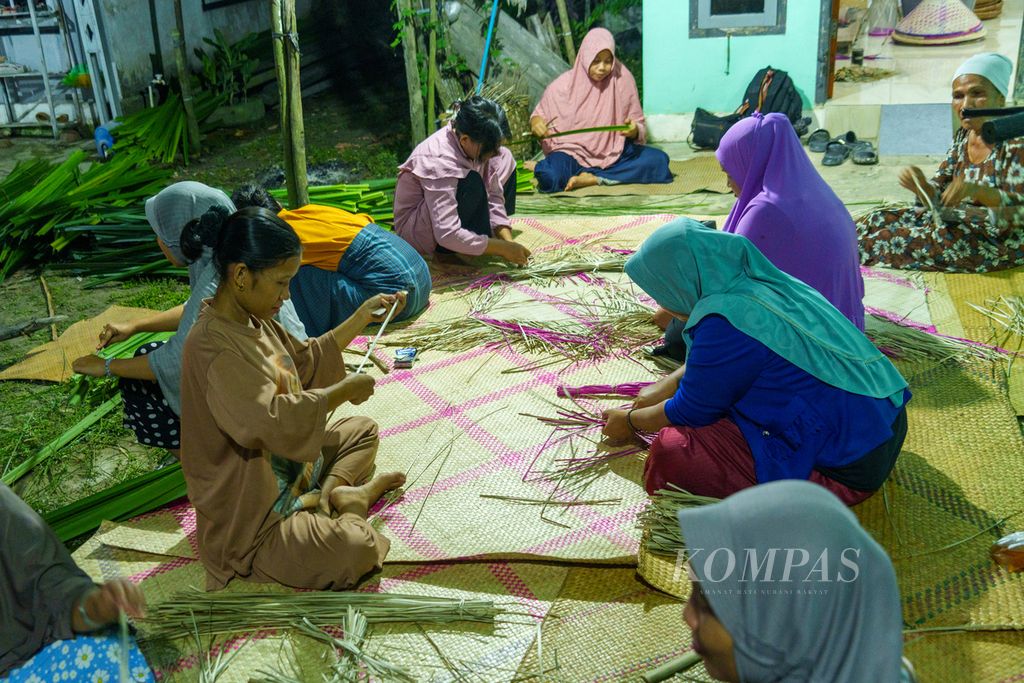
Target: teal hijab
696 271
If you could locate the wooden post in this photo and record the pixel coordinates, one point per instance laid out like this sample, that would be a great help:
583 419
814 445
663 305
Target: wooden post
432 69
563 19
178 36
277 32
412 72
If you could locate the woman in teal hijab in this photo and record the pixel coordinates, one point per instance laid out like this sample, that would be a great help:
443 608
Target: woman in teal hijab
778 384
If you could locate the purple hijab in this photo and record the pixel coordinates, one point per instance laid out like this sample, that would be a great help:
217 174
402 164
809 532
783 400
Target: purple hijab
790 213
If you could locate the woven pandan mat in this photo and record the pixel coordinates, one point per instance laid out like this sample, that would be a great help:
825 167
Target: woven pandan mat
950 302
608 626
956 481
939 22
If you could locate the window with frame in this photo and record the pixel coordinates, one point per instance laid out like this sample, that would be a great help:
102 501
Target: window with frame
712 18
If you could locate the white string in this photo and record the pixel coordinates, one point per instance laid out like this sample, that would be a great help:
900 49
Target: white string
373 344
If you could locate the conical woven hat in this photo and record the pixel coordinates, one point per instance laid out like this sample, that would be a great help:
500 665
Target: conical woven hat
939 22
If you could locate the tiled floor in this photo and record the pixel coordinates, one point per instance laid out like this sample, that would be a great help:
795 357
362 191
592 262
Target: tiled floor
923 73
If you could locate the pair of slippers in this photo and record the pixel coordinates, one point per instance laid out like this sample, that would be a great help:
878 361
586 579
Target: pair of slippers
837 149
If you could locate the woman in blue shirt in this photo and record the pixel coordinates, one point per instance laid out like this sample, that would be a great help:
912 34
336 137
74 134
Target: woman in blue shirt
778 384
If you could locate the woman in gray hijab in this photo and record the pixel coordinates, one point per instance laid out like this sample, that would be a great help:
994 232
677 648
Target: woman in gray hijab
788 587
150 382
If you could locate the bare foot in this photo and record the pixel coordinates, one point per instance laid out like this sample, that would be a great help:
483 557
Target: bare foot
358 499
530 165
581 180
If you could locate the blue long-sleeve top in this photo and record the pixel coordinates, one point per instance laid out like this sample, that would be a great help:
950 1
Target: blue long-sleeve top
792 421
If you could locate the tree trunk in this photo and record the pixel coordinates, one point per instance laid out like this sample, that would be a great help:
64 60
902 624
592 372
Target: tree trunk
432 69
296 125
293 136
277 29
412 73
178 36
563 19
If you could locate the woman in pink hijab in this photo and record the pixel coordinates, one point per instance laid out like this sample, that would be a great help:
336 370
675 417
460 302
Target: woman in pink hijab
598 91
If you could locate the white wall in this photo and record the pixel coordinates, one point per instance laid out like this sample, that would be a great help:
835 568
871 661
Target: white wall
127 27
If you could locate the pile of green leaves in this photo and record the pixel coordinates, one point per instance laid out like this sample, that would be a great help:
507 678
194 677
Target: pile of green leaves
39 200
373 197
161 133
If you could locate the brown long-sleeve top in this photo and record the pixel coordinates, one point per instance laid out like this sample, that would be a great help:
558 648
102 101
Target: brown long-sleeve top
252 399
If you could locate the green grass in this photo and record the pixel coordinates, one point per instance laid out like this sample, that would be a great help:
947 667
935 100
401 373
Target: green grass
158 294
36 414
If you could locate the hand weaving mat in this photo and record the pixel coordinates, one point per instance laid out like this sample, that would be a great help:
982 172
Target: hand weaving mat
51 362
608 626
982 289
701 173
429 653
956 481
453 424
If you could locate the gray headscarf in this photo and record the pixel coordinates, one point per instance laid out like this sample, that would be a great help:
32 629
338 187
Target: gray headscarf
174 206
835 617
168 213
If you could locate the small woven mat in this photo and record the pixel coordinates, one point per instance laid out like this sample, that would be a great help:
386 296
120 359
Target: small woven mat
489 652
51 362
608 626
958 476
701 173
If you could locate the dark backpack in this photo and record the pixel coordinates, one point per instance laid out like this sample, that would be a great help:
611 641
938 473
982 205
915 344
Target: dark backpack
772 91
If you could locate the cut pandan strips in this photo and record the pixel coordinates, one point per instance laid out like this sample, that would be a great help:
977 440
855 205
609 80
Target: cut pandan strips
125 500
660 520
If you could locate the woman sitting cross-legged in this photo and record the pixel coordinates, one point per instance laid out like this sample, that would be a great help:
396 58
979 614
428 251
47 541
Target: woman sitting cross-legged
150 382
787 586
281 490
346 259
778 384
970 217
598 91
457 189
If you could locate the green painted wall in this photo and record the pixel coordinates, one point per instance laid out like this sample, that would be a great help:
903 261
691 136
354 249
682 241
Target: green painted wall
681 74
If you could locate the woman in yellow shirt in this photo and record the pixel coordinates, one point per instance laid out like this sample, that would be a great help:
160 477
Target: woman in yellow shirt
346 259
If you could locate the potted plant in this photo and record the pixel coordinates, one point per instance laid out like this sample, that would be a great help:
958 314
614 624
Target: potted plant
227 71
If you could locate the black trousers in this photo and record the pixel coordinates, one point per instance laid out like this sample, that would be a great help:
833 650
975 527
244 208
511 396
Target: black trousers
474 212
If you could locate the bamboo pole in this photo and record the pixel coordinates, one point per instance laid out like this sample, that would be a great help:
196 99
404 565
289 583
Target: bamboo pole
563 19
432 69
277 38
178 37
412 72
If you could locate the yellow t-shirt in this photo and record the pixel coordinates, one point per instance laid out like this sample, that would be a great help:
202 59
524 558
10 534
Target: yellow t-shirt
325 232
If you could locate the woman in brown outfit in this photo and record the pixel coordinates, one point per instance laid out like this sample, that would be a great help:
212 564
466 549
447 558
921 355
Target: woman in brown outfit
281 490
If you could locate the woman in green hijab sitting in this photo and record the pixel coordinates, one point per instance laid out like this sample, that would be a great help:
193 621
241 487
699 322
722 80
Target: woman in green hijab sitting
777 384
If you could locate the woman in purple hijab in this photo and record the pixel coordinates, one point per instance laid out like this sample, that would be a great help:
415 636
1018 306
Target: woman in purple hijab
790 213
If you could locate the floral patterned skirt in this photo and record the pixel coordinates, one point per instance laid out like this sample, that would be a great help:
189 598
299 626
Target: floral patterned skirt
85 659
964 241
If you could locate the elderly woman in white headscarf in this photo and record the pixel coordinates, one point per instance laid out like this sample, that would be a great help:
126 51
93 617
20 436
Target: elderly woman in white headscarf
969 218
787 587
150 382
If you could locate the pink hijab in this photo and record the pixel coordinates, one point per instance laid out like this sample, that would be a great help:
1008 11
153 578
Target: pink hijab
574 100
